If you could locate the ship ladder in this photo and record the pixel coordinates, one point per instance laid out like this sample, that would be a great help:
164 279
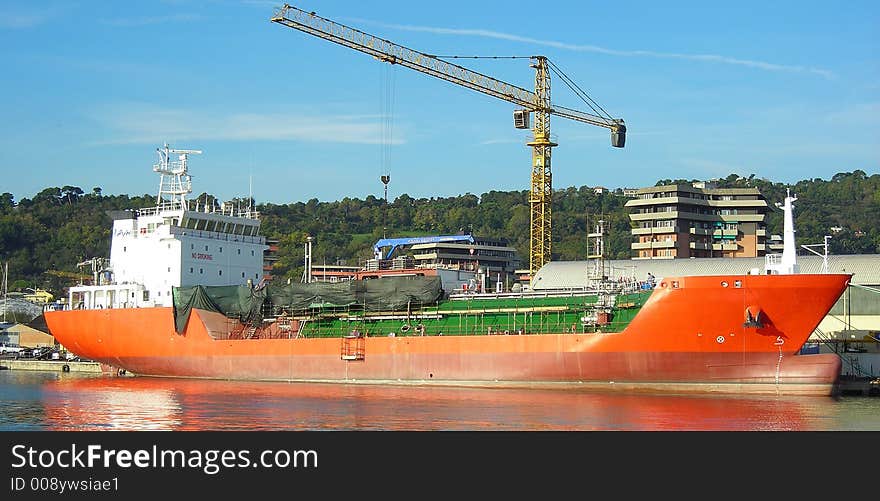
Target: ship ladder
353 347
249 332
853 362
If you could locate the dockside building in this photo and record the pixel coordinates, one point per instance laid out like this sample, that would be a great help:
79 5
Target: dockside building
699 220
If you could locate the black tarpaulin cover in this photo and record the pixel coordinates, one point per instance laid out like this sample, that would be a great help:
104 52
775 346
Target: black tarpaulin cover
248 304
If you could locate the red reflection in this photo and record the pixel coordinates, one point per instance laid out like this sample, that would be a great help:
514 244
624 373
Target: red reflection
143 403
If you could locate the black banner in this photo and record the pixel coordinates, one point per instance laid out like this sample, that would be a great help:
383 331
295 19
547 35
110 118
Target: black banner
250 465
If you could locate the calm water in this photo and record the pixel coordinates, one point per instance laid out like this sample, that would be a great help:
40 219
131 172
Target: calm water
65 401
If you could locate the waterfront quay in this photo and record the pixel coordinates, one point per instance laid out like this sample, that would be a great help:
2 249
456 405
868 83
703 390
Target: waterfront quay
51 365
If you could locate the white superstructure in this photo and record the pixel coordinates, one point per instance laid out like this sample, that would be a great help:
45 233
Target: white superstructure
177 243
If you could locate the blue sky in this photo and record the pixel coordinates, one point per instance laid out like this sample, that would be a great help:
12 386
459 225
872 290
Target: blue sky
783 90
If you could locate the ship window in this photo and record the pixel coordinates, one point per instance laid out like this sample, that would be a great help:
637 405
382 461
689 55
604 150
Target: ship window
252 253
242 274
169 269
124 249
201 271
239 252
146 295
220 272
221 250
190 270
206 247
132 295
738 284
192 246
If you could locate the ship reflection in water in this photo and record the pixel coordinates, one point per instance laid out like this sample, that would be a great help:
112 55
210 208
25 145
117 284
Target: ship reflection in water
70 402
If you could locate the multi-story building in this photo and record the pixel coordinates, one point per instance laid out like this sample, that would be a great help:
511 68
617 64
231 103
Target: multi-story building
462 261
682 221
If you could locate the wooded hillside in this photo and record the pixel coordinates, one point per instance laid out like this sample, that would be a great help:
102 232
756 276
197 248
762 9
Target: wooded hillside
44 238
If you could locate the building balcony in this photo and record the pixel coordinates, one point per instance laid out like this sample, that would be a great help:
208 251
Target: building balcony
725 247
652 216
725 233
641 202
700 246
655 231
665 244
741 218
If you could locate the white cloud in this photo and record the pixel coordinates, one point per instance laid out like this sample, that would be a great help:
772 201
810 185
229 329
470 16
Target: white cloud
23 18
136 123
715 58
146 21
858 114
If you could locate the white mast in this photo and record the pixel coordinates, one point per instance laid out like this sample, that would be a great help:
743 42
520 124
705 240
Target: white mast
788 264
307 272
5 289
174 183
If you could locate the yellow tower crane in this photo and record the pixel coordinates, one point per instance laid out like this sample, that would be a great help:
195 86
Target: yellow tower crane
537 102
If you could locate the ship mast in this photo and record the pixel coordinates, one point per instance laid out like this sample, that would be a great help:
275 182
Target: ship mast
174 183
787 263
5 289
596 252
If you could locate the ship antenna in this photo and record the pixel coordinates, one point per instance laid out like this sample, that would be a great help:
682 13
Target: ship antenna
175 183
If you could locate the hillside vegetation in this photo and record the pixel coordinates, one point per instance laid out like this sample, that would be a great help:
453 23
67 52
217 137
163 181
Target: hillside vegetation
44 238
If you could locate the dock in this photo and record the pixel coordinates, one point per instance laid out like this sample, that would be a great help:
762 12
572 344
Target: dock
52 365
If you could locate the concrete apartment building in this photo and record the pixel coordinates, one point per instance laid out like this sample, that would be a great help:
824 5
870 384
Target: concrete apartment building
699 220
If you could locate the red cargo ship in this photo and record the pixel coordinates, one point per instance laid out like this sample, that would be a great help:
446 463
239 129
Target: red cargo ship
732 333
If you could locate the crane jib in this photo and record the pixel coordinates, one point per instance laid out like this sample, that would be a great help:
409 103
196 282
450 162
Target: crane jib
537 102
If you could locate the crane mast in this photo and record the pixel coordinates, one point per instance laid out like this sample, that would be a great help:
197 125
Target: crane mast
537 102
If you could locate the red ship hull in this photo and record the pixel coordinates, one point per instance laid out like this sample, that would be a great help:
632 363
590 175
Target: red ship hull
693 335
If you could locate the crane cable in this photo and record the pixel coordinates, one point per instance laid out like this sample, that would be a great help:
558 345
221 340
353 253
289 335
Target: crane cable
386 116
597 109
386 99
592 104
